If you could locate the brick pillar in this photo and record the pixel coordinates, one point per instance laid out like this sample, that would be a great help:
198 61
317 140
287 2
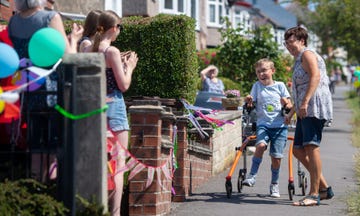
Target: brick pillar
181 179
167 124
146 125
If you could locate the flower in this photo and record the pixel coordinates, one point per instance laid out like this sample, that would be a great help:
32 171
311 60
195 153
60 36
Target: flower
232 93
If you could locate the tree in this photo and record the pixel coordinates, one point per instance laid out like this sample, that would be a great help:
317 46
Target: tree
237 55
336 22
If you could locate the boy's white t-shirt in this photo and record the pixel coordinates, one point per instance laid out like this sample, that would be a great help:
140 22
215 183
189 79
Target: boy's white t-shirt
268 106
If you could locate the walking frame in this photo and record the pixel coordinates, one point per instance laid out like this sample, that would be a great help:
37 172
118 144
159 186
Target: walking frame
249 139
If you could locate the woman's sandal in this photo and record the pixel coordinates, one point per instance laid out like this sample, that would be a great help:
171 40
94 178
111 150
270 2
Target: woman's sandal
308 201
326 194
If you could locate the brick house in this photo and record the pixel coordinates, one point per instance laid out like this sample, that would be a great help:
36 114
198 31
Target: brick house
207 13
5 9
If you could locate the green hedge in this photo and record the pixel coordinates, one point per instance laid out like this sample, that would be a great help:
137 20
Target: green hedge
168 64
28 197
165 45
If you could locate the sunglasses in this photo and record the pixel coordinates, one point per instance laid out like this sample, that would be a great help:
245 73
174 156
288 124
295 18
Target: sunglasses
120 27
288 42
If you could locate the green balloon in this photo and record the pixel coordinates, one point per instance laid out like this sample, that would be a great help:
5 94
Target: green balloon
46 47
357 73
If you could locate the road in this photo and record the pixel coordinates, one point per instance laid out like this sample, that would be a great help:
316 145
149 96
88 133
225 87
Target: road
337 154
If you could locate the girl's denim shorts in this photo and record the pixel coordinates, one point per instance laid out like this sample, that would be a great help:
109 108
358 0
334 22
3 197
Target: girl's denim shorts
116 113
308 131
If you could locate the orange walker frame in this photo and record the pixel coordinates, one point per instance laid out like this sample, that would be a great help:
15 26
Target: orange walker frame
242 172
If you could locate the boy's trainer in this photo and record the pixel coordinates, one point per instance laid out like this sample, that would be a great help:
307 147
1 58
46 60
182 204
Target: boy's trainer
250 180
274 190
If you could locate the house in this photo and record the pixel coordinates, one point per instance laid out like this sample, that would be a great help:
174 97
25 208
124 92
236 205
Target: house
5 9
272 13
207 13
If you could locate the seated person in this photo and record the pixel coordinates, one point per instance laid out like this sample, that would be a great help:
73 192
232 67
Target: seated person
210 82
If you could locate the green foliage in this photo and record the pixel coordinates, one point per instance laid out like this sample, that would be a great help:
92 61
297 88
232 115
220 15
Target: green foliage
28 197
205 57
168 64
230 84
90 208
353 199
337 24
165 45
238 54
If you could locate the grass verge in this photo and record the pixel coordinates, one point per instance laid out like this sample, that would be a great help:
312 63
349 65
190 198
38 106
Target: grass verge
353 200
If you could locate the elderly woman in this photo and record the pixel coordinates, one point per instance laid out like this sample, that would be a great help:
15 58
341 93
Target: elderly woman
313 107
210 82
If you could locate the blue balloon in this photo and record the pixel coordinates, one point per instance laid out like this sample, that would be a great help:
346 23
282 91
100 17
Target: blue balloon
9 60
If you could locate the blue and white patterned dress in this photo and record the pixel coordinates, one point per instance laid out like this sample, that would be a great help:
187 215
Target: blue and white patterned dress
320 104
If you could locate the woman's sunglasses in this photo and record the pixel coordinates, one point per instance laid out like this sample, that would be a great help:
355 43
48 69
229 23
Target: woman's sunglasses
120 27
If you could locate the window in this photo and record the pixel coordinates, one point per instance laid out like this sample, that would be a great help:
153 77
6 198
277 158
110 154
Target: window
168 4
216 10
115 5
172 6
187 7
242 19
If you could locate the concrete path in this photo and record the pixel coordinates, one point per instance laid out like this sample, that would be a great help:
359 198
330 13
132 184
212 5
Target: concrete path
337 155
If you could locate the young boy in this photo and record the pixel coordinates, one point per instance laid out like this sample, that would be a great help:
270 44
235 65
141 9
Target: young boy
270 97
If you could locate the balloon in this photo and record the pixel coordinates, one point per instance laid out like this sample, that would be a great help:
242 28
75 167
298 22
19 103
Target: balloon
9 97
357 73
357 84
46 47
25 76
2 103
9 60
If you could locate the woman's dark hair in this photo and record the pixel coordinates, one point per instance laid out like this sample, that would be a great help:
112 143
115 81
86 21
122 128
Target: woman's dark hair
298 32
91 23
107 20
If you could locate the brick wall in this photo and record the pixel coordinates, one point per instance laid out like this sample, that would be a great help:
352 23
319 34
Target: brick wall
152 128
6 10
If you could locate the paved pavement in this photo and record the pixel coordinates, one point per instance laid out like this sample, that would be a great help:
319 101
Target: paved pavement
338 168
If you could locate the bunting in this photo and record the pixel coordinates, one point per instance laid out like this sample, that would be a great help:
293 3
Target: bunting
195 110
135 166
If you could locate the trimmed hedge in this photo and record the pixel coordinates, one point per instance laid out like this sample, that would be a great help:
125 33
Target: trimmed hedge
166 48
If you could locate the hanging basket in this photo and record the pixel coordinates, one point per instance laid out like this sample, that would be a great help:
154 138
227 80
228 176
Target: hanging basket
231 103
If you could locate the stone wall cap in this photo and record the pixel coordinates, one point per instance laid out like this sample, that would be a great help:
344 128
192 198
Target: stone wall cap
145 108
227 114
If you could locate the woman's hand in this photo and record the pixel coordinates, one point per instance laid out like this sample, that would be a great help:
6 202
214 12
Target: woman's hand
289 116
76 32
303 111
131 61
287 119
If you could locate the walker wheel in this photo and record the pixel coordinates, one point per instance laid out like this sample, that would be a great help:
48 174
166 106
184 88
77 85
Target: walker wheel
241 178
228 187
291 190
304 183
